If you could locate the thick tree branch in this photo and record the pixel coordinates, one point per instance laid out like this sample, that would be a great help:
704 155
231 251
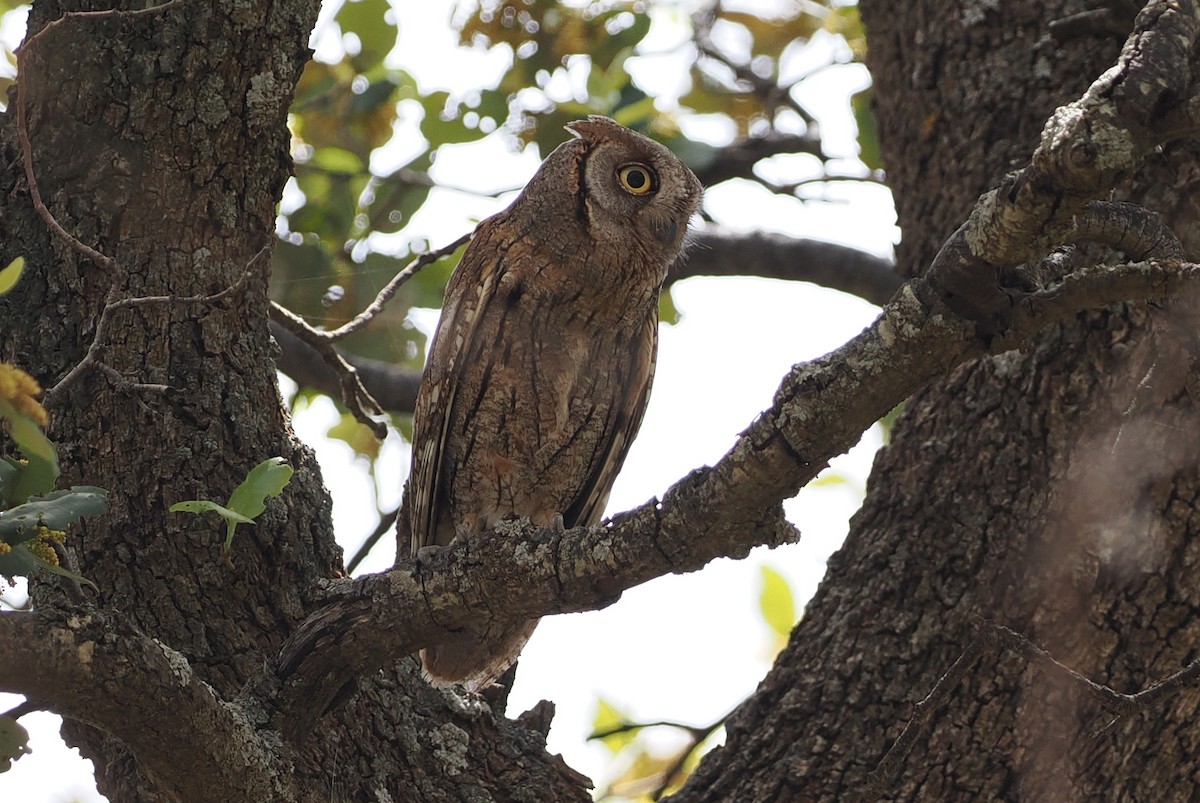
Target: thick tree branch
1086 145
719 252
819 412
97 668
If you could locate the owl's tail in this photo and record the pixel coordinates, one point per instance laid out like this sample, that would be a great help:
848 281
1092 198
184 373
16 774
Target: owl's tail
475 658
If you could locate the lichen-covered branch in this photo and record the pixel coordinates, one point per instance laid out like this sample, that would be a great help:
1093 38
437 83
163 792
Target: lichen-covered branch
95 667
1086 145
820 411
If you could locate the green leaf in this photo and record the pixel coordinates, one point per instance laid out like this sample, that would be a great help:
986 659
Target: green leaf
55 510
54 568
869 151
10 274
609 718
350 431
337 160
830 480
14 742
205 506
365 19
265 480
40 472
232 518
10 469
776 603
668 313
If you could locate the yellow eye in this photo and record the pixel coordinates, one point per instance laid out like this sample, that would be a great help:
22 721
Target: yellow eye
637 179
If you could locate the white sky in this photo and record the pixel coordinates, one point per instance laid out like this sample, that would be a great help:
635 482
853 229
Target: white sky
683 648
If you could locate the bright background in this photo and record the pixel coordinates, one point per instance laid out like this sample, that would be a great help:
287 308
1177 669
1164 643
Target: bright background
681 648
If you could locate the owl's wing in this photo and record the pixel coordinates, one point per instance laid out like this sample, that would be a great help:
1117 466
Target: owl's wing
471 288
627 419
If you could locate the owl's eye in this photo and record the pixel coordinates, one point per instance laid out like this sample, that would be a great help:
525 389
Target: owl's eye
637 179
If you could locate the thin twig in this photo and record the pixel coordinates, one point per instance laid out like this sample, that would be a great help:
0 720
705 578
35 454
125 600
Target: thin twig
71 240
113 304
696 736
385 295
772 93
1117 703
386 524
889 766
354 396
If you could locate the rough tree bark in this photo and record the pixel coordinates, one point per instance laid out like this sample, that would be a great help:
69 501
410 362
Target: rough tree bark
1043 490
1051 489
160 140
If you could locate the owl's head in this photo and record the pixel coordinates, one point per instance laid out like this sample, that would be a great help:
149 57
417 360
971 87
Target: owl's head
631 188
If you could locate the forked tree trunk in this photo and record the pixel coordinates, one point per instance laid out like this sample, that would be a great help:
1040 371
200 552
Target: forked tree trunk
1051 491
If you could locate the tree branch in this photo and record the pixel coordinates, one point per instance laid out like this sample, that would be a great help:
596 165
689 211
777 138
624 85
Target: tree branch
1085 146
95 667
393 387
819 412
716 251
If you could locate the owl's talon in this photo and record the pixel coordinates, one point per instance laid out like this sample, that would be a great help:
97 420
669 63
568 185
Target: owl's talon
556 525
426 555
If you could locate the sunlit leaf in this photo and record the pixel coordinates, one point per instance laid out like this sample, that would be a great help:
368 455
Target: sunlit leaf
356 435
10 273
264 481
367 20
337 160
869 152
607 727
776 602
830 479
247 501
207 506
668 313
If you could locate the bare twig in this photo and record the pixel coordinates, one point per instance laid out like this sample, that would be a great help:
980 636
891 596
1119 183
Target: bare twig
113 304
772 93
387 523
889 766
71 240
385 295
1120 705
353 395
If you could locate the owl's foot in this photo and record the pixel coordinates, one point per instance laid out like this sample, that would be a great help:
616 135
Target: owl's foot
556 524
426 556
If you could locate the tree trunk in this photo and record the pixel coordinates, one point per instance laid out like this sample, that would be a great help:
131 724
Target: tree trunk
1050 491
160 139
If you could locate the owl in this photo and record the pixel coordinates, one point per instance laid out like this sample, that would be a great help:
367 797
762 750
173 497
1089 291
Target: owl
540 368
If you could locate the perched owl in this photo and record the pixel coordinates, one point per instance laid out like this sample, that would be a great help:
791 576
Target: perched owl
540 369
